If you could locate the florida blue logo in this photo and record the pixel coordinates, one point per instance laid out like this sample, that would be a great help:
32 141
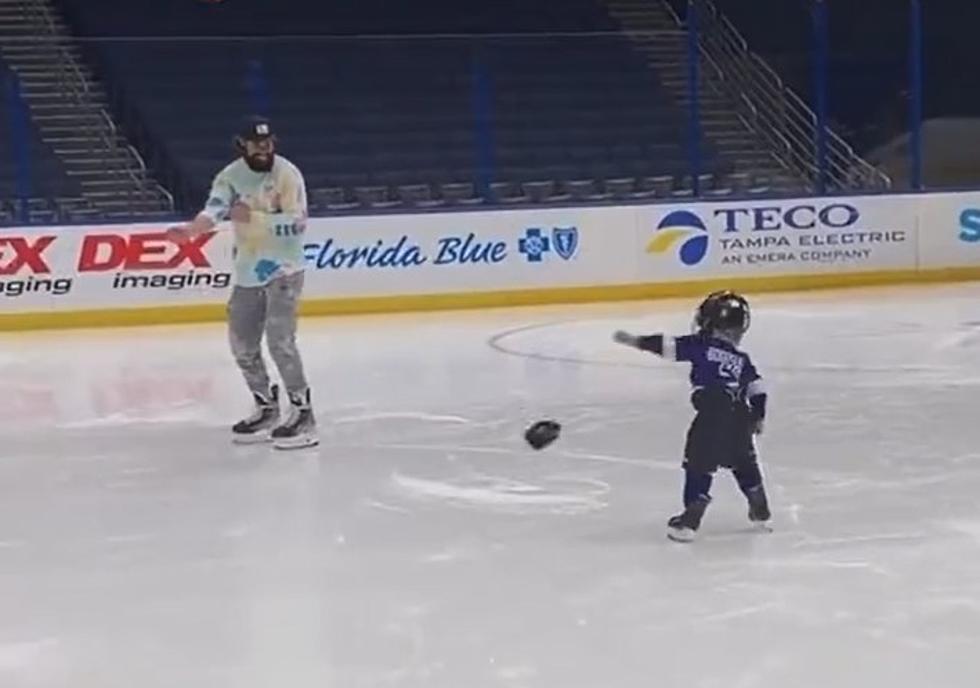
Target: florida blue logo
565 240
535 244
685 228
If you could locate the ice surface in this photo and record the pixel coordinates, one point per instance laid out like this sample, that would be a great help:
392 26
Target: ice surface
422 544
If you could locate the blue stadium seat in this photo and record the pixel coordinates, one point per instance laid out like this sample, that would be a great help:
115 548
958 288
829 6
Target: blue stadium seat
396 111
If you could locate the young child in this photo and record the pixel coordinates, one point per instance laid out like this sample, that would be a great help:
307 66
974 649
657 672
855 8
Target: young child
730 402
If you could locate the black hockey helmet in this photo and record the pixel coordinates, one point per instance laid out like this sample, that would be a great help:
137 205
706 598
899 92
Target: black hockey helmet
723 311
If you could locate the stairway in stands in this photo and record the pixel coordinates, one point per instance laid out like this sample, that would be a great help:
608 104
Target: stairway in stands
69 108
656 32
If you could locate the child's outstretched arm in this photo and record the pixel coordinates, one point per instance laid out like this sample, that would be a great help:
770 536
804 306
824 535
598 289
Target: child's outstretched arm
659 344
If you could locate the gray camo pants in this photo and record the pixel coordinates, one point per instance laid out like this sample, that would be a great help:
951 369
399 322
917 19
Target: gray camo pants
269 310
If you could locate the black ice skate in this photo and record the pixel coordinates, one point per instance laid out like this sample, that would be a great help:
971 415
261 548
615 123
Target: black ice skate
256 427
683 527
758 506
299 430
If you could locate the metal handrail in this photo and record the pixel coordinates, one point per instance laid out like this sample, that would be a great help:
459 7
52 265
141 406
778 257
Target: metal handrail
143 178
670 10
78 88
168 196
42 11
772 122
38 13
139 158
762 122
81 98
139 178
778 110
758 120
74 67
109 126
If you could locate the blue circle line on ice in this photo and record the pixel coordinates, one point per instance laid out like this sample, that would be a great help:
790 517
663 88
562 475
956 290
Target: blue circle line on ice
497 343
685 228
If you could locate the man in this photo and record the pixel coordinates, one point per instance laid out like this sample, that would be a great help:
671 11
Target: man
264 196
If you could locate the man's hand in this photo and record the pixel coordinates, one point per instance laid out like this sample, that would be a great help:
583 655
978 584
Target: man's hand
241 213
181 234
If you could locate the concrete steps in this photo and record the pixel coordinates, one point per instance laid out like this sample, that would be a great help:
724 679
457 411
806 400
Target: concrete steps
69 107
668 54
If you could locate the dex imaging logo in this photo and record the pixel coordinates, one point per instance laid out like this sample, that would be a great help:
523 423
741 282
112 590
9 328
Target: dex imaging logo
970 226
684 229
536 243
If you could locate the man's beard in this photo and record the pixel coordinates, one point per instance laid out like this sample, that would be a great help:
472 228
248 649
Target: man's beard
258 165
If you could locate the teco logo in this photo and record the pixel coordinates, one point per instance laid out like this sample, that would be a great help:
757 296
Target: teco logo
16 252
102 252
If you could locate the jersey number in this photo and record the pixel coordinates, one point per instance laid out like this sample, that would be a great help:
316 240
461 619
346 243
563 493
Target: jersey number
287 230
728 370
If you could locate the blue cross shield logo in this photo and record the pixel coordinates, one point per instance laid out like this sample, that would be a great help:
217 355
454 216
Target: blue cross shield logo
565 240
534 245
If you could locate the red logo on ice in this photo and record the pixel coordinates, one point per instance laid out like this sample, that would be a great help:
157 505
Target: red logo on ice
18 252
102 252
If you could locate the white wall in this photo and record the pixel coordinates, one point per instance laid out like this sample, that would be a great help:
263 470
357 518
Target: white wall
108 267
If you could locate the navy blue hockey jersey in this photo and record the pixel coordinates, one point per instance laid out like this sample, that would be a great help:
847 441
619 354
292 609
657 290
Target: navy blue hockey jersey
715 363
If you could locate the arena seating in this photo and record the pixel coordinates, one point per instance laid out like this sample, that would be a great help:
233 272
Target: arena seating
401 120
868 71
25 158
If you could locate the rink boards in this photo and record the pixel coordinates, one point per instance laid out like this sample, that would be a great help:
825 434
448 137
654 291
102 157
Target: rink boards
130 274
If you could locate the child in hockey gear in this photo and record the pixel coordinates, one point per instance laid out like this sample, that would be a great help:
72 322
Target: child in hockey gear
730 403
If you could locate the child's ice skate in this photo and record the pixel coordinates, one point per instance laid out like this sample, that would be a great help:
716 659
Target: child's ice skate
759 513
684 526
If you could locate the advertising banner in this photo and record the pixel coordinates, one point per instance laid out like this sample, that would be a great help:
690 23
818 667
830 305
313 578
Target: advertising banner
460 252
120 266
612 251
950 231
777 237
113 266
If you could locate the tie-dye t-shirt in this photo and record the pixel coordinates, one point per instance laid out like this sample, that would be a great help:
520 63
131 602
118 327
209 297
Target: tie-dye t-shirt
271 244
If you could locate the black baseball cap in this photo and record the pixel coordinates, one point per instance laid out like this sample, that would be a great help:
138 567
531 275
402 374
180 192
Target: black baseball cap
256 129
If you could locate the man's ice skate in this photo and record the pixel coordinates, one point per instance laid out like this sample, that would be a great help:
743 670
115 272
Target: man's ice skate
256 428
759 513
299 430
683 527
